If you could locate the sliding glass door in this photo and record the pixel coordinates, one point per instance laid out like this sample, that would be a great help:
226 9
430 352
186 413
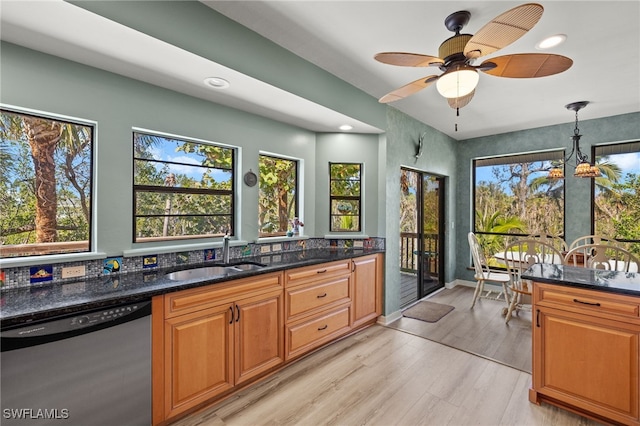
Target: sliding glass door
421 234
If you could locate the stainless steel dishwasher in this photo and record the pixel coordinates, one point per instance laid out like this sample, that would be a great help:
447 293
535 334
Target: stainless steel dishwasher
89 368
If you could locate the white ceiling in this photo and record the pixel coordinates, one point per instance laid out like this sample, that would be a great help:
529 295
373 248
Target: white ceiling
342 38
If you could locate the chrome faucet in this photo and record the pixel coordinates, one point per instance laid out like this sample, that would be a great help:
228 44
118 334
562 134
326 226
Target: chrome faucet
225 247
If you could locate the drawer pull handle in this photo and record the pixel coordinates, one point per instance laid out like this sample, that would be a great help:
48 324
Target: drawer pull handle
320 296
323 328
586 303
322 271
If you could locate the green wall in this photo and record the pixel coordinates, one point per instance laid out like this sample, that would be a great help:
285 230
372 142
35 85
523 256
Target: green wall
42 82
618 128
199 29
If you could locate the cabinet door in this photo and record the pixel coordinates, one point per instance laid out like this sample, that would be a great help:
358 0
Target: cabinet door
198 357
259 323
588 362
367 292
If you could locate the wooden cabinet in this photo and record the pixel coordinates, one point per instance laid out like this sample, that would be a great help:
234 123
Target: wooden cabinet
367 291
215 338
208 340
586 352
318 305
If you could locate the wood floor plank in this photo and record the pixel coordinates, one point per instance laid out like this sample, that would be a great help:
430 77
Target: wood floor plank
481 330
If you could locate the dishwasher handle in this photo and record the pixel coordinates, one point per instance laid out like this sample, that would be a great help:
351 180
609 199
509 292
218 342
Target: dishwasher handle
76 324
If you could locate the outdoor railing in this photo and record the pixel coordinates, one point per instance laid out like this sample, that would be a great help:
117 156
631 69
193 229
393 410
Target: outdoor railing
409 248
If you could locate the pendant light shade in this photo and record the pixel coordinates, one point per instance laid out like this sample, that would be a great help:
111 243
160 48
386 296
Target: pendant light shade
458 81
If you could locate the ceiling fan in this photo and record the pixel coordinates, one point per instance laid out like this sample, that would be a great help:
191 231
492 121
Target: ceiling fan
460 77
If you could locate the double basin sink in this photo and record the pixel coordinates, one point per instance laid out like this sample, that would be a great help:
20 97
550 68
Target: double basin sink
214 271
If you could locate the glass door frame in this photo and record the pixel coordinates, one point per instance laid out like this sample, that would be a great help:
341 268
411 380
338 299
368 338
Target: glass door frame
420 178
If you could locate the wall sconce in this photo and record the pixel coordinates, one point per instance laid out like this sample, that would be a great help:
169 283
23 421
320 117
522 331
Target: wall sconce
584 169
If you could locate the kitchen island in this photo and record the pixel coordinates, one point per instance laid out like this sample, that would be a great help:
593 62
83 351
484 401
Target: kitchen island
586 341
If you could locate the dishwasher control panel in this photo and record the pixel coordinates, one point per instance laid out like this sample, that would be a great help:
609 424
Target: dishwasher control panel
102 318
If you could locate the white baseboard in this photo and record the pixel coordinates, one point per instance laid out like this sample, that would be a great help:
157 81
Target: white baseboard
388 319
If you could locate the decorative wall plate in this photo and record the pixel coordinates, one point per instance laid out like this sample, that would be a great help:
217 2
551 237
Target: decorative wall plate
250 178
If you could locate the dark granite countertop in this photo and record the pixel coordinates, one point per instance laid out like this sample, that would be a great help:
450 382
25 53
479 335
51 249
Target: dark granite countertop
38 302
593 279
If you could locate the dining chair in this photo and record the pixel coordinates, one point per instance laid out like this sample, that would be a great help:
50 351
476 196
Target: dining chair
484 274
554 240
592 239
603 256
519 256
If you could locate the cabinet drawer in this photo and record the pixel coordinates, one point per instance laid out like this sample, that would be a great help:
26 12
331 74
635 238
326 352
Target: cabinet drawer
594 302
307 274
305 336
307 299
192 300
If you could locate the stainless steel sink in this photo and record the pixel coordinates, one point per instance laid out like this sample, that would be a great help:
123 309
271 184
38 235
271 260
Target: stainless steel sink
247 266
214 271
205 272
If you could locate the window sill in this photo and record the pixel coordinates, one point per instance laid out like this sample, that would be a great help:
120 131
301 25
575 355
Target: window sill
281 239
173 249
17 262
346 237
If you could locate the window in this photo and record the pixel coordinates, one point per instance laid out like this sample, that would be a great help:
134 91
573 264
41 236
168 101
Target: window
46 184
616 197
514 196
182 188
278 199
345 183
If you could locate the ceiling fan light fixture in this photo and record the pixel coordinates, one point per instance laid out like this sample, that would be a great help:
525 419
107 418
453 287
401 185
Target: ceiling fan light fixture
457 82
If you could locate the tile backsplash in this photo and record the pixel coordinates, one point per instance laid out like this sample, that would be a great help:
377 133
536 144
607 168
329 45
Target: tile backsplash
22 276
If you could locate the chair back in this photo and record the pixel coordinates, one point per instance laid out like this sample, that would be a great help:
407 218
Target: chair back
557 242
479 261
521 254
592 239
602 256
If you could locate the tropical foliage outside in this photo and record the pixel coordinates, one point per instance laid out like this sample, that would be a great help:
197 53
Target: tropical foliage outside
278 199
345 196
411 183
45 185
518 199
617 198
182 188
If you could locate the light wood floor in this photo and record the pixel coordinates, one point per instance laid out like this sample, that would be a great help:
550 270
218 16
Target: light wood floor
383 376
481 330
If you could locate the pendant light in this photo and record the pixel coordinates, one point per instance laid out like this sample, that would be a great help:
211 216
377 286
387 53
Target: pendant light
583 168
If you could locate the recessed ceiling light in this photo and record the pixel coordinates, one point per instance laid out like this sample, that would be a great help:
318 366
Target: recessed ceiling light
216 82
552 41
346 127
